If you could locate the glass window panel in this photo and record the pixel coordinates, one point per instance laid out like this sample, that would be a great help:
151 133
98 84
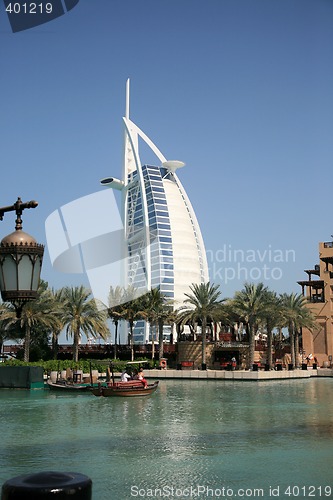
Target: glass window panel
167 272
159 196
167 264
166 252
166 246
164 232
166 286
168 280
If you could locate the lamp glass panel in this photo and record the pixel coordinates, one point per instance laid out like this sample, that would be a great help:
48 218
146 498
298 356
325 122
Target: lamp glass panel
25 269
9 273
36 276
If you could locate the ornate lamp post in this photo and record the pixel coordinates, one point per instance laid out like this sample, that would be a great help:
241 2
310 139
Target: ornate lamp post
20 261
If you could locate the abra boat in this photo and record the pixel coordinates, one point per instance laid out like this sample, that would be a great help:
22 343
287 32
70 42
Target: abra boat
63 385
125 389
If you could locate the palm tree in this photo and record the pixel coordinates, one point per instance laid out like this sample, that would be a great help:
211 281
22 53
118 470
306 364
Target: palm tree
114 311
38 313
167 316
131 311
156 309
7 315
202 304
295 316
82 315
58 303
250 304
272 318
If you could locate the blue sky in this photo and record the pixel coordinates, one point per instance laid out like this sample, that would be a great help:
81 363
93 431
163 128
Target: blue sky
240 90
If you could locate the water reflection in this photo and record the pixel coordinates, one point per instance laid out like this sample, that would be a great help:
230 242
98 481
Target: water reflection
188 432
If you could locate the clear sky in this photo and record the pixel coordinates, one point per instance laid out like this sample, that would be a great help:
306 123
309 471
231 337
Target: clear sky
240 90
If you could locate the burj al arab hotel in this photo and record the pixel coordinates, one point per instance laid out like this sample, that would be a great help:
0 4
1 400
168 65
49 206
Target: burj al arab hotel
162 238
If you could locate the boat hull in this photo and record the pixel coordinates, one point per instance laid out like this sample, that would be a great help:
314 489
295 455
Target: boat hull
65 387
118 390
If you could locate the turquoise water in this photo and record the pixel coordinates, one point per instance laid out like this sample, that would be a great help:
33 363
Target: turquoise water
248 438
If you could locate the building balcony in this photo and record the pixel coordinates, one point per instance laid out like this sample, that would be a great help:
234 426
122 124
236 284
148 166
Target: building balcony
315 271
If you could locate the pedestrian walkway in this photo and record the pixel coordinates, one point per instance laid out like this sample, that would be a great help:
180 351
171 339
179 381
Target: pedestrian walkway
238 375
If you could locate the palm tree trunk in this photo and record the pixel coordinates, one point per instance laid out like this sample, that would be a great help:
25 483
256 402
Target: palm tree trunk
27 343
76 346
55 344
132 341
296 349
178 331
252 341
269 359
160 339
115 339
292 345
153 329
203 333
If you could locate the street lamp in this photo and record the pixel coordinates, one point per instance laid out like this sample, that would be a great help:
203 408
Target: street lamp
20 261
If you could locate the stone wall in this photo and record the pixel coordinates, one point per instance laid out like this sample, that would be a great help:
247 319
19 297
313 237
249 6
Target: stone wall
192 351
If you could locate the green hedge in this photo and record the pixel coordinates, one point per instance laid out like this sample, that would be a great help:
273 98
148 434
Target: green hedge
84 365
54 365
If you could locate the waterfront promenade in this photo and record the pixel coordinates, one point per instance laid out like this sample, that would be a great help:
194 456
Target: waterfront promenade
238 375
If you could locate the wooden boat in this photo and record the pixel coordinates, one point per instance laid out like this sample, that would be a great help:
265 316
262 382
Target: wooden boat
125 389
64 386
72 383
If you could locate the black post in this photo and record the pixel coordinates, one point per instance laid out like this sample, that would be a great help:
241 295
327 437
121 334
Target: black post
112 373
58 372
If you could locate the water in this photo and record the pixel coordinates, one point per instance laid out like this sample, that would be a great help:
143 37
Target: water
248 438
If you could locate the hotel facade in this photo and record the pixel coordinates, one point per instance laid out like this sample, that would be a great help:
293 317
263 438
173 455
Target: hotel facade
163 244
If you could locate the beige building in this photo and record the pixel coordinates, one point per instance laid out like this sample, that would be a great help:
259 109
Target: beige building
318 289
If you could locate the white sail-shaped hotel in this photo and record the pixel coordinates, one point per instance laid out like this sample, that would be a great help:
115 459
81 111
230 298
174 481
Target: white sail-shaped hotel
163 243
